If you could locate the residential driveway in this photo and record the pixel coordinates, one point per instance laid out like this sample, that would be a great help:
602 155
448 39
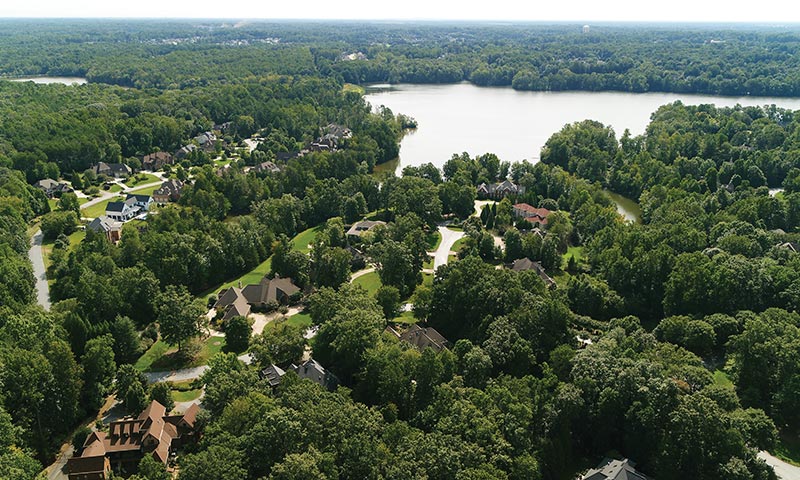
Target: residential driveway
784 470
449 237
58 469
361 273
186 373
39 272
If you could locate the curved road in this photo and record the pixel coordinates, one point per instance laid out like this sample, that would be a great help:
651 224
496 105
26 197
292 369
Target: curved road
449 237
784 470
37 260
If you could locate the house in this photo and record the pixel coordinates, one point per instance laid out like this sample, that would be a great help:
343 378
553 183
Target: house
129 439
222 127
421 337
312 370
499 190
270 290
206 140
169 191
332 136
524 264
610 469
52 188
266 167
537 216
232 303
359 228
184 151
122 211
108 227
273 375
157 160
116 170
142 201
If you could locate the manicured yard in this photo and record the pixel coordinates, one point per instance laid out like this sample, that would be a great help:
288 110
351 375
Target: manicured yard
47 245
302 320
405 317
459 244
186 395
253 276
371 282
577 252
99 209
721 378
303 239
161 356
141 179
428 263
146 190
433 240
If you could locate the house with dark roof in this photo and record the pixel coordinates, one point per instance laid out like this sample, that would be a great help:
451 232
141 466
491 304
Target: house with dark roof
129 439
537 216
232 303
169 191
523 264
421 337
157 160
116 170
499 190
144 202
610 469
122 211
312 370
206 140
236 301
53 188
184 151
108 227
273 375
360 228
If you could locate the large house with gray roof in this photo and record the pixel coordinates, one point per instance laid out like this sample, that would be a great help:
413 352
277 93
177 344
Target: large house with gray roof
610 469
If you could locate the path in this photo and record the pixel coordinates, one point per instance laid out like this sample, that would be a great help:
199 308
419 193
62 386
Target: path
784 470
39 272
361 273
449 237
186 373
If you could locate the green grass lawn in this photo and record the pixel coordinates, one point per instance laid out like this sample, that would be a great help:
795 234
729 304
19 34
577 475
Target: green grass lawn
721 378
303 239
47 245
146 190
162 357
371 282
577 252
428 263
460 243
99 209
405 317
302 320
186 395
141 179
433 240
788 448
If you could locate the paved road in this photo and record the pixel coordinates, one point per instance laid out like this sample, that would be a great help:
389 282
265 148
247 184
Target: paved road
186 373
449 237
37 259
784 470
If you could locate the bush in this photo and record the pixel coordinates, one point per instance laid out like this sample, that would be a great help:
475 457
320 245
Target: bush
80 438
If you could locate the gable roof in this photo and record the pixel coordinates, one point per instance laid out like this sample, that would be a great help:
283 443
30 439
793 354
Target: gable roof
610 469
117 206
523 264
273 374
358 228
424 337
312 370
104 224
139 198
269 290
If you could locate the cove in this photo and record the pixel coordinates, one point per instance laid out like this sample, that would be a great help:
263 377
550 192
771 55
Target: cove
515 125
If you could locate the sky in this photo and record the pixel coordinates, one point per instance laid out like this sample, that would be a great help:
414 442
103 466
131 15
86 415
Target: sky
762 11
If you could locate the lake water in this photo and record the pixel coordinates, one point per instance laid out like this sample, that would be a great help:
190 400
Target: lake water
515 125
48 80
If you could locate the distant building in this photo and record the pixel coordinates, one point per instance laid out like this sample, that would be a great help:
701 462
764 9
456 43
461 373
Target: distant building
206 140
360 228
53 188
128 440
169 191
312 370
536 216
524 264
116 170
421 337
586 29
266 167
104 225
157 160
610 469
184 151
499 190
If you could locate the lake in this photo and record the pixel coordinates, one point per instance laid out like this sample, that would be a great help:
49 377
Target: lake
514 124
48 80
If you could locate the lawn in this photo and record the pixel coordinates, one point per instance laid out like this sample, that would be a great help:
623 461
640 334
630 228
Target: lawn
302 320
432 240
459 244
162 357
371 282
186 395
405 317
99 209
141 179
787 448
577 252
428 263
47 245
146 190
721 378
303 239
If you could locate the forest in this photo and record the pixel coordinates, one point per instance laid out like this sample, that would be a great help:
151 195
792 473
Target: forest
672 341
